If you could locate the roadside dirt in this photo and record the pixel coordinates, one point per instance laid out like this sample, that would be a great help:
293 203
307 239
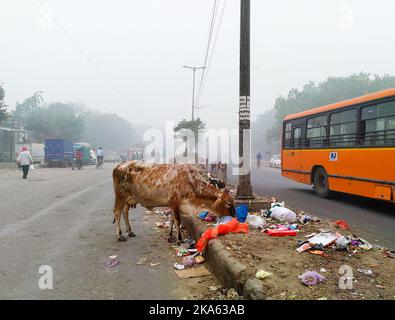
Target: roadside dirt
278 256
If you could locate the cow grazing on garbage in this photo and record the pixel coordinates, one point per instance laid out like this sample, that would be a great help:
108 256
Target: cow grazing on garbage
178 186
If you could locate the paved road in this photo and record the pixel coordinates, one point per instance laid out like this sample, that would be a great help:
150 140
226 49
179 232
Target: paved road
63 218
374 220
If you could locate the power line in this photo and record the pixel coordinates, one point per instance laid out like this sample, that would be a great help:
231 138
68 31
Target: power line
212 24
201 88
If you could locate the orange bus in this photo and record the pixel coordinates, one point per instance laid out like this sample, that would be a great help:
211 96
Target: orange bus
347 147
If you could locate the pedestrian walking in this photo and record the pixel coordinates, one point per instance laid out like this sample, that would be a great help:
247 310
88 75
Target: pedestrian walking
259 159
24 160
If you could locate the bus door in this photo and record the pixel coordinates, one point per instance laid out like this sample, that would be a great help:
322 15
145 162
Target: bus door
295 155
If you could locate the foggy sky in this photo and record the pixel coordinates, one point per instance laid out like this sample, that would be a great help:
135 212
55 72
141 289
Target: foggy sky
126 56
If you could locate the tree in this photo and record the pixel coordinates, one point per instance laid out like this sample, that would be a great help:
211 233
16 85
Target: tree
29 105
109 131
193 125
3 107
55 121
333 90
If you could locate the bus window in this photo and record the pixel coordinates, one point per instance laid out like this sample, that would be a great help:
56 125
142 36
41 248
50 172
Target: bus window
297 137
316 131
287 135
343 128
377 124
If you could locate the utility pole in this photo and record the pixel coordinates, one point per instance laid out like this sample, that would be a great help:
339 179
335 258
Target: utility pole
193 106
193 68
244 189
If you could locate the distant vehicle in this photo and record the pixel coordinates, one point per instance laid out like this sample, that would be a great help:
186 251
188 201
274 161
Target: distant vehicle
347 147
58 152
86 150
275 161
38 152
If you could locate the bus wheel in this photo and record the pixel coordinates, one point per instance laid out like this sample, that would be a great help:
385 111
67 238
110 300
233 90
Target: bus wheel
321 185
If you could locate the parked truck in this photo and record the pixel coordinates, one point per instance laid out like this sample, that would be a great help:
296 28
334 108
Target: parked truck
38 152
58 152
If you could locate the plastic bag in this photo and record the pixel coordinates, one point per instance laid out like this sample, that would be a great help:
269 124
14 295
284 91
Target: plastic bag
256 222
311 278
32 167
282 214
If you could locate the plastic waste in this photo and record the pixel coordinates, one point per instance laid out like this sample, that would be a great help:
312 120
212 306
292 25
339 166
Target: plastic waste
223 220
179 266
188 261
262 274
368 272
241 212
234 226
280 233
342 224
282 214
311 278
203 215
342 243
256 222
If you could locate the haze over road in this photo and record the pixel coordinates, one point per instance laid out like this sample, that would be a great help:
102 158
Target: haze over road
373 220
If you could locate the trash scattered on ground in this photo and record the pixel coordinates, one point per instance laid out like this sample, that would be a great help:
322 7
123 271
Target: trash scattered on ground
199 259
365 245
342 224
342 243
192 272
223 220
234 226
311 278
142 260
111 262
203 215
311 235
209 218
179 266
241 212
323 270
154 264
232 294
325 238
188 261
280 232
304 247
262 274
368 272
282 214
256 222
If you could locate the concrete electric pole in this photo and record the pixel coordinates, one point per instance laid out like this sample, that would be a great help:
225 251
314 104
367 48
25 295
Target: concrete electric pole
244 189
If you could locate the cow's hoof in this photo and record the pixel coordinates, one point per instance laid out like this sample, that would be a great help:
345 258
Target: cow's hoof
131 234
121 238
171 239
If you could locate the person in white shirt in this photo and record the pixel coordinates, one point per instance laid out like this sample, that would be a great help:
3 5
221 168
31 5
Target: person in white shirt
99 157
25 159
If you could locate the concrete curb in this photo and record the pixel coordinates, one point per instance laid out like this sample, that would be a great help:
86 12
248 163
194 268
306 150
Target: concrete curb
230 272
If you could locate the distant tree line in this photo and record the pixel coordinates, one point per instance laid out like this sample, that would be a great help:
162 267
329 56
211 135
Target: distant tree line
77 123
268 126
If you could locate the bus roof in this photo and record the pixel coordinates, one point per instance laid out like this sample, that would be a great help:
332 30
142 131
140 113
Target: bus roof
346 103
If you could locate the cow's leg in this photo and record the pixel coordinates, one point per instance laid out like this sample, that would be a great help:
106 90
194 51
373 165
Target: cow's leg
129 231
117 218
177 220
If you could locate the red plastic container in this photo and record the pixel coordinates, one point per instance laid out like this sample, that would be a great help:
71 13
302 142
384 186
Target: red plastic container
280 233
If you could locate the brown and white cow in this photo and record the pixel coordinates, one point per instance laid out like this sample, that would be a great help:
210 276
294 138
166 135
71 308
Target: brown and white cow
177 186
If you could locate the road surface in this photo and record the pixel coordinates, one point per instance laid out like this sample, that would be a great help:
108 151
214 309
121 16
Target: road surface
373 220
63 218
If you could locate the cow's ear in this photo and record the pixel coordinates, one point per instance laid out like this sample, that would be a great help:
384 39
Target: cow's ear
226 190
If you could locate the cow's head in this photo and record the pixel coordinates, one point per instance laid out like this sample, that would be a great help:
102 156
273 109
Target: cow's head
224 206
